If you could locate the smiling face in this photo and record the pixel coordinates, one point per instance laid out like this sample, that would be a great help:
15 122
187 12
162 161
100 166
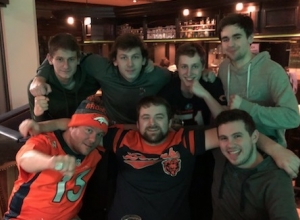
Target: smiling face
235 43
84 139
189 69
65 64
153 123
130 63
237 145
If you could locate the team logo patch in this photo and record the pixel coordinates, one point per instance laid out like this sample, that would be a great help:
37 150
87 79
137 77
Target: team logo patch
139 161
171 162
101 120
222 98
78 162
53 143
142 91
188 106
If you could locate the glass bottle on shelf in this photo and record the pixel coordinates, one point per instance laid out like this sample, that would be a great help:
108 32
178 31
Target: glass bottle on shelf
197 28
207 20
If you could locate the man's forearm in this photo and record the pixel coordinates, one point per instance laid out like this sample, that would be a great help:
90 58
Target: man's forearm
52 125
214 106
41 79
267 145
34 161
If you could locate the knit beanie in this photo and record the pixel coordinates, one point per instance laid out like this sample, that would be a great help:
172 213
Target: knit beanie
90 112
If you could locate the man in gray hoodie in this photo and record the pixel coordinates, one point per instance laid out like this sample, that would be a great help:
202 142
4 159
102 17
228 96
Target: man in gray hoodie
255 83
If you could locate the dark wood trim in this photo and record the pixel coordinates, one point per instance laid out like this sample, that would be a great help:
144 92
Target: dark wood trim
3 3
4 69
58 9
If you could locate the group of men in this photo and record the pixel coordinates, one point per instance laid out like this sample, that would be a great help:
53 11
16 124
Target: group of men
162 173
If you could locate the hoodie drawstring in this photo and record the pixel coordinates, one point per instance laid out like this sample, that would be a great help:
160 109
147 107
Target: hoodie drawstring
248 81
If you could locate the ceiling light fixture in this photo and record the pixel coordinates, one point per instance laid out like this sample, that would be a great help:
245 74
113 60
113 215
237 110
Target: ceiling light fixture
251 8
87 20
186 12
199 14
134 1
239 6
70 20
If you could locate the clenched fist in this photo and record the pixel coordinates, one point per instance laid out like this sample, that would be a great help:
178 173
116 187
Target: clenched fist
40 105
235 102
64 164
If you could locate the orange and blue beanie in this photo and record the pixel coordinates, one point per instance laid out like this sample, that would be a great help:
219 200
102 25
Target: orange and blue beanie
90 112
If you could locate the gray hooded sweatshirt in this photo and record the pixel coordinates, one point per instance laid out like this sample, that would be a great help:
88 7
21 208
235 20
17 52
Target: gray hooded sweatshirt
267 94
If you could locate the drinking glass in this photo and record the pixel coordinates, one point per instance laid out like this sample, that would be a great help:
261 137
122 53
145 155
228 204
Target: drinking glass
131 217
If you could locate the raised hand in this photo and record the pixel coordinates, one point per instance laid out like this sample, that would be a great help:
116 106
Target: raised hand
29 127
63 163
197 89
39 87
40 105
235 102
208 75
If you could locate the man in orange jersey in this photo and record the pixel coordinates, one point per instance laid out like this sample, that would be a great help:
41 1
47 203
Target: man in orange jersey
55 167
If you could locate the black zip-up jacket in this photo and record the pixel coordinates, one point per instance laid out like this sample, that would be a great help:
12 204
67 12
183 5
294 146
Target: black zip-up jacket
64 102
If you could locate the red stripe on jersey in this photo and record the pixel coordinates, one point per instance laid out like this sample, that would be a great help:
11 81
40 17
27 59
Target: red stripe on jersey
192 141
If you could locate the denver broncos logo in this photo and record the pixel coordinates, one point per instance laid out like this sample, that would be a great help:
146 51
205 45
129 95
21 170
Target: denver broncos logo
101 120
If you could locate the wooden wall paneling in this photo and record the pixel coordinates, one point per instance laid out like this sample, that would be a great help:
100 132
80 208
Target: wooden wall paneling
276 18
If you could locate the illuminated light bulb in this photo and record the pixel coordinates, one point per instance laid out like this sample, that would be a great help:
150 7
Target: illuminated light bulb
70 20
199 14
239 6
186 12
87 20
251 8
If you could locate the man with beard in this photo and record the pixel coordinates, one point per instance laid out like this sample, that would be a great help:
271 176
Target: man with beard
247 184
156 164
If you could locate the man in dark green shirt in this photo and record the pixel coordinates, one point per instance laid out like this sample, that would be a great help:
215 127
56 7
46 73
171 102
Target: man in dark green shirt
247 184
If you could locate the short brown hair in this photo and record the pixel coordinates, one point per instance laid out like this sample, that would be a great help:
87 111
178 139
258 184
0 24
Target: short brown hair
190 49
128 41
64 41
154 100
243 21
236 115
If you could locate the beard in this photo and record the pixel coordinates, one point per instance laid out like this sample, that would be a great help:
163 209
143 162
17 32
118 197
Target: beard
154 138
